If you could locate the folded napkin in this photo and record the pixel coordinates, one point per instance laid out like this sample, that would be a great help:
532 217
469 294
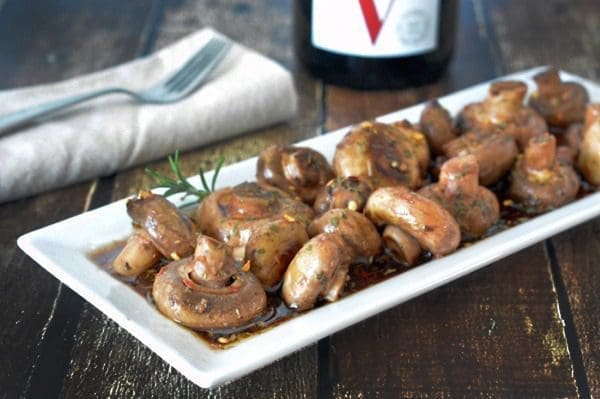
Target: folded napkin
245 92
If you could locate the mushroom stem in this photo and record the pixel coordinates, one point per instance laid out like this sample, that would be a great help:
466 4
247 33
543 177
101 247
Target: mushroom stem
540 153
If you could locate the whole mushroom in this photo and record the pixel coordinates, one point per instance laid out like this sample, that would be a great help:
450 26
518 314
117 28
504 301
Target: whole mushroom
425 220
272 247
299 171
380 154
207 291
234 214
436 124
161 229
589 156
560 103
503 111
320 268
474 207
538 181
495 153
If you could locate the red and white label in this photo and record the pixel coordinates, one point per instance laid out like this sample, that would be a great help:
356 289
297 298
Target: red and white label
375 28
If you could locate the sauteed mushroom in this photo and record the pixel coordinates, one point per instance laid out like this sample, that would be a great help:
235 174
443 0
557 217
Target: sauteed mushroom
495 153
319 269
568 149
401 245
380 154
138 255
428 223
436 124
474 207
560 103
503 110
298 171
589 157
538 180
161 228
206 291
357 230
233 214
343 192
271 249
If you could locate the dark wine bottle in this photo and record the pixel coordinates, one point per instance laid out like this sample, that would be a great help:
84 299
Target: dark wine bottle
375 44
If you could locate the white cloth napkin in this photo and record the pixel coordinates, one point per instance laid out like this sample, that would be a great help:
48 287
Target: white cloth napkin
245 92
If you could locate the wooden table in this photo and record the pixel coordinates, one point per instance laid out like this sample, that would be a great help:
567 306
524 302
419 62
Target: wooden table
526 326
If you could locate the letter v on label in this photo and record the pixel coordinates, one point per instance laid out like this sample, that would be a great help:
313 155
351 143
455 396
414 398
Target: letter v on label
373 21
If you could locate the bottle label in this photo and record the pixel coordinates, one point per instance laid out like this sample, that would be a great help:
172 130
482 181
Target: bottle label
376 28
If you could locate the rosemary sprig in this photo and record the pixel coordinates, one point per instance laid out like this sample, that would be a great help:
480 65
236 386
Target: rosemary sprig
181 184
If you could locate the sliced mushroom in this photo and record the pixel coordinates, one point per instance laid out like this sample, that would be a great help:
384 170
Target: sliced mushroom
539 181
560 103
298 171
206 291
474 207
426 221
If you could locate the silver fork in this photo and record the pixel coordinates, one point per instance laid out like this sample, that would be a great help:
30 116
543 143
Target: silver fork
173 88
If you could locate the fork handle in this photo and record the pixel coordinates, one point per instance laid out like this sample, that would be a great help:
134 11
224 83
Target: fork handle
18 118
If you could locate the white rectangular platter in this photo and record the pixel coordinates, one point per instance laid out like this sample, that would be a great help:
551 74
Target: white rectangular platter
61 249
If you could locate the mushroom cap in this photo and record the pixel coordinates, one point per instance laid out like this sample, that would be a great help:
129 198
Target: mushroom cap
428 222
171 232
354 227
299 171
233 214
380 154
204 308
206 291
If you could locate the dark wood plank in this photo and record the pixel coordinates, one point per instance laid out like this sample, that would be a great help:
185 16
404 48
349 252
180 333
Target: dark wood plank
495 333
577 251
42 42
106 360
562 33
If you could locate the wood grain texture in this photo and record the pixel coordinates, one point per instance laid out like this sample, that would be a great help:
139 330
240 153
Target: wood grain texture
577 252
495 333
108 362
562 33
565 34
51 41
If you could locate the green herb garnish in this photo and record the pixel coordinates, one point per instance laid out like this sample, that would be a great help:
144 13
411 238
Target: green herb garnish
181 184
